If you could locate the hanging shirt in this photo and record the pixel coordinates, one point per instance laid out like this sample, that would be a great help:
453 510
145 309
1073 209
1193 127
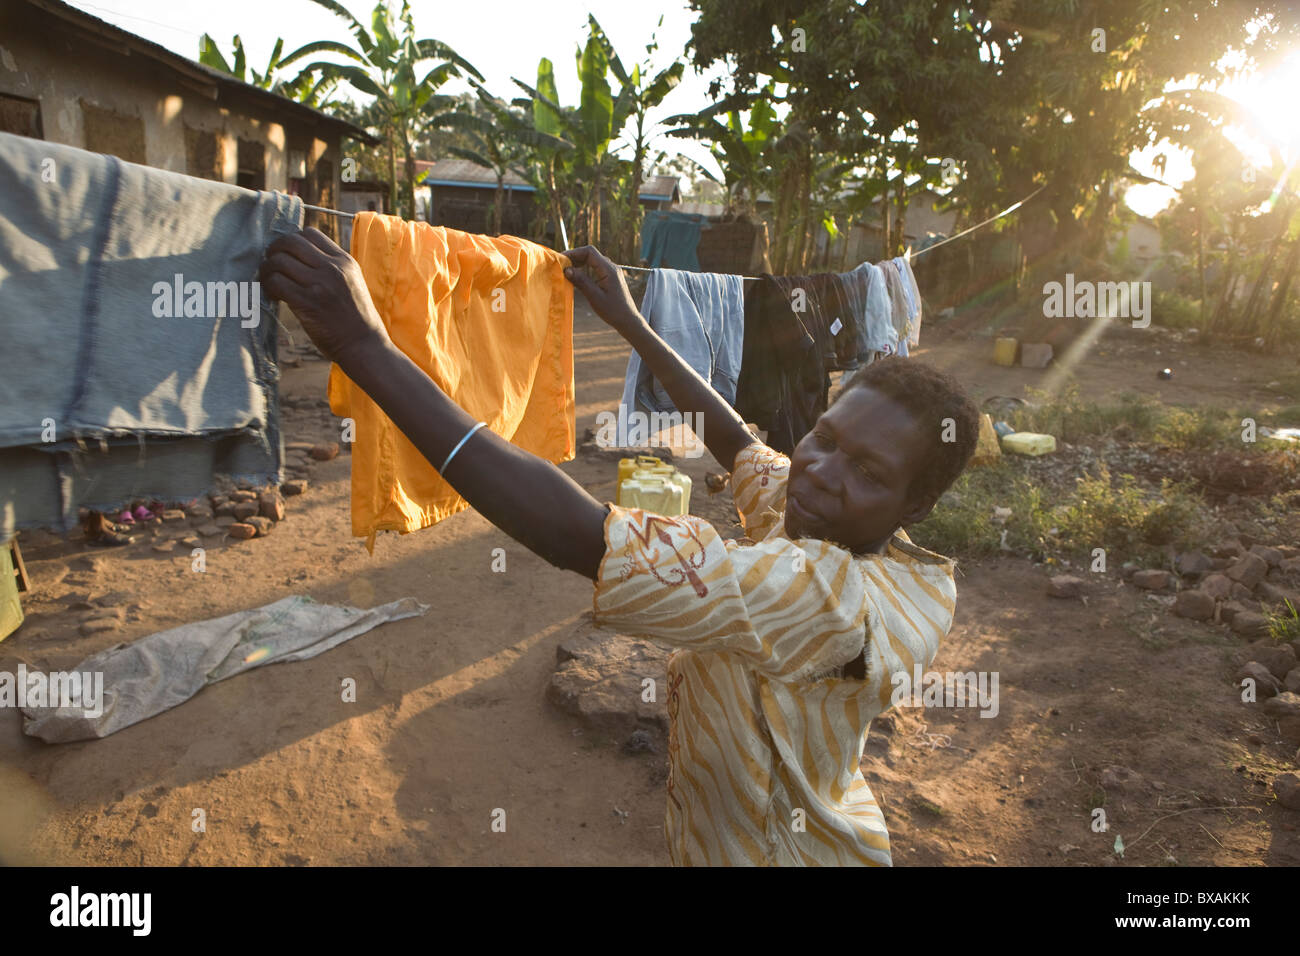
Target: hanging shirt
490 320
905 301
761 723
783 382
900 309
823 303
702 318
913 293
865 287
797 330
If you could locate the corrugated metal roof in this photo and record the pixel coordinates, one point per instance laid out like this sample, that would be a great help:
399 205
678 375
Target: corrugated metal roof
467 173
464 172
659 187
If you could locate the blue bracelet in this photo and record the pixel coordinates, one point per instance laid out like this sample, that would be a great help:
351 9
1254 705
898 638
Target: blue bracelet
459 445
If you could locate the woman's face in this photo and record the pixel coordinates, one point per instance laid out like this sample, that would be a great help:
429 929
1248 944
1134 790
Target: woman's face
850 476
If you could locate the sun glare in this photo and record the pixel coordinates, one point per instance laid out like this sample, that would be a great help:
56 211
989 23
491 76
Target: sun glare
1272 101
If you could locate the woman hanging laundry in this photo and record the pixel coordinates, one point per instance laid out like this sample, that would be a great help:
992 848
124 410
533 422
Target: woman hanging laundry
786 642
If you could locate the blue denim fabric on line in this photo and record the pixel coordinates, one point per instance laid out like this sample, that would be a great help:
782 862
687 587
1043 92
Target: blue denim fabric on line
141 405
702 317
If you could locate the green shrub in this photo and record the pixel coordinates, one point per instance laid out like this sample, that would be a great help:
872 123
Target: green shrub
1175 311
1285 625
1071 419
1120 517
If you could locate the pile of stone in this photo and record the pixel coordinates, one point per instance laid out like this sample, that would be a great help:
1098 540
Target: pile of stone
1233 585
1271 669
251 512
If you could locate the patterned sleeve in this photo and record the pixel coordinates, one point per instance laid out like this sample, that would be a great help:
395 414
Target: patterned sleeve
910 609
758 480
795 610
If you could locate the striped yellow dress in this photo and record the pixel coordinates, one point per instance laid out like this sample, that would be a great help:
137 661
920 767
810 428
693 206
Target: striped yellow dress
766 735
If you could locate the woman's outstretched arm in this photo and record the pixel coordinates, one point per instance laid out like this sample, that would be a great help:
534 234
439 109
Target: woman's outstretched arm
527 497
723 431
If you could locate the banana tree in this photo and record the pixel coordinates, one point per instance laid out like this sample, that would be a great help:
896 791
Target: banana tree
502 139
637 96
548 169
384 65
315 95
590 129
210 56
742 148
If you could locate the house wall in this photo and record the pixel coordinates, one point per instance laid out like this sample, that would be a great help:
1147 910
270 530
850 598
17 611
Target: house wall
469 209
92 97
1144 243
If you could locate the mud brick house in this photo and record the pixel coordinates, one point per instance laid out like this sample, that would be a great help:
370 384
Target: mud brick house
71 78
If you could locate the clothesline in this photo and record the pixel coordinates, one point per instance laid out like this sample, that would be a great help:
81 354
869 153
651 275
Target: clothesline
909 254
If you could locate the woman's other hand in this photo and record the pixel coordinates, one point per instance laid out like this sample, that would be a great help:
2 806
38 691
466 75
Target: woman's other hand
604 288
324 287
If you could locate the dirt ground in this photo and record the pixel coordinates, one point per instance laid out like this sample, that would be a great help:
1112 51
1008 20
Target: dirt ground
451 723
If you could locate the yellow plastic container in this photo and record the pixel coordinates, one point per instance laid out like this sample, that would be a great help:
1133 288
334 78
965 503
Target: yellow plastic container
11 608
1004 351
626 466
1028 443
658 493
649 483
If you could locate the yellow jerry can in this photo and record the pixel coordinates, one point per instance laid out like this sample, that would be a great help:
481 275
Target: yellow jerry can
1028 443
1004 351
11 608
652 484
626 466
654 493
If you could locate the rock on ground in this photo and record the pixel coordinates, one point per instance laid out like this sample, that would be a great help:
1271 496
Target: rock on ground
1284 705
1196 605
1217 586
1193 562
601 678
1065 586
1287 788
1250 624
1266 685
1152 579
1248 570
1278 658
1121 778
1271 555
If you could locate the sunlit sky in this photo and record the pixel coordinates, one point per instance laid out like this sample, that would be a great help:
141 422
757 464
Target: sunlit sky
505 38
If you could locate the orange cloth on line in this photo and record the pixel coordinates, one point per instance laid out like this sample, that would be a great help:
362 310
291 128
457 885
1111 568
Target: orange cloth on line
510 366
